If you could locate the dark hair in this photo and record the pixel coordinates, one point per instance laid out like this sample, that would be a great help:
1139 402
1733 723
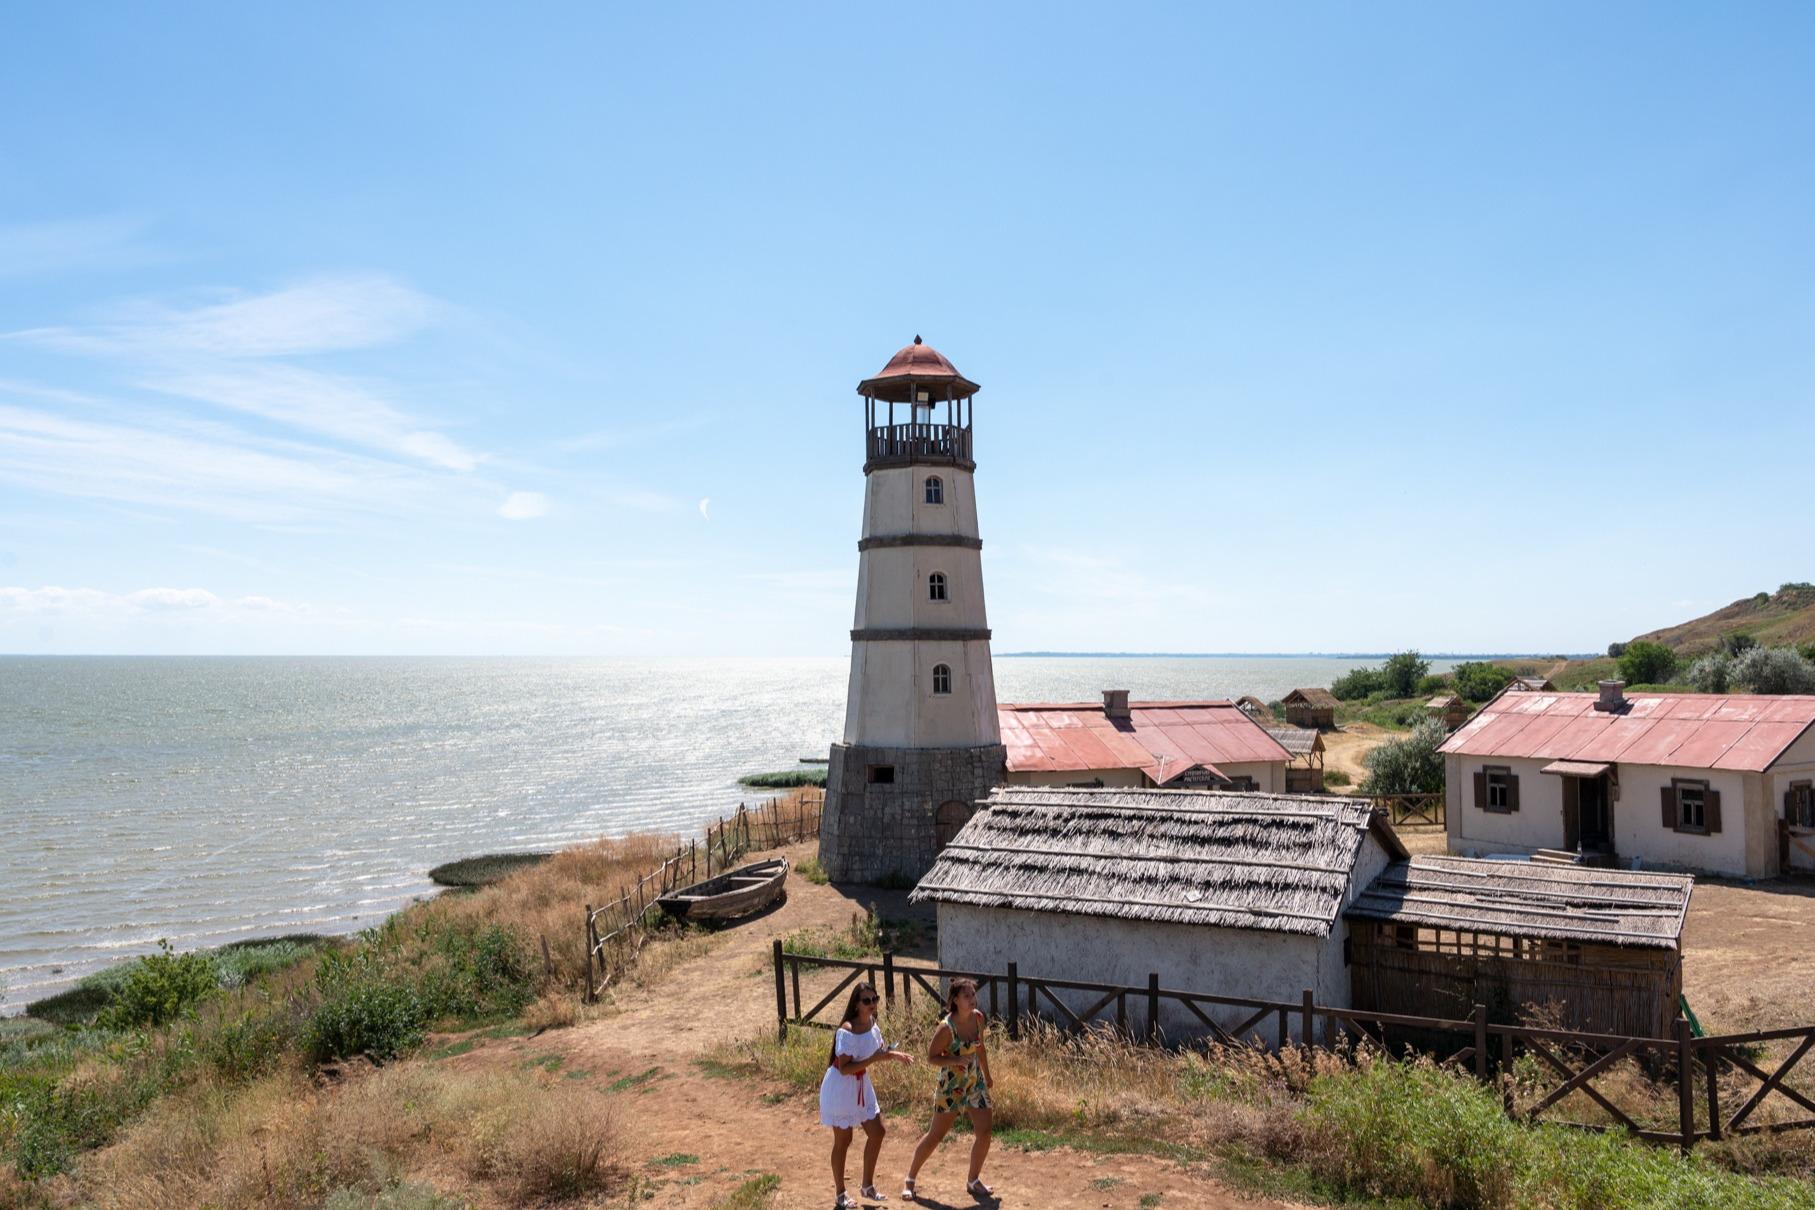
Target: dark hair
952 990
849 1018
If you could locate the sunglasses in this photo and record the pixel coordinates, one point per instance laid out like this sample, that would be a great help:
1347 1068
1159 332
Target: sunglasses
866 999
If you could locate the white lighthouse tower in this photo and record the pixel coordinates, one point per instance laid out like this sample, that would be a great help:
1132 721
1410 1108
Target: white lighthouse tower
921 743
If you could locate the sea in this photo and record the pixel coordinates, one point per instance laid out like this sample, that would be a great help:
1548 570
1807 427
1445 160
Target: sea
203 800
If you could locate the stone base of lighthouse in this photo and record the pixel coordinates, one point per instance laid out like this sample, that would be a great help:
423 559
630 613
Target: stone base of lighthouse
890 831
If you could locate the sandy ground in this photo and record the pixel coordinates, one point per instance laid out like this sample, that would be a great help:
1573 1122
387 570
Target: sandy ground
670 1108
1747 959
1344 749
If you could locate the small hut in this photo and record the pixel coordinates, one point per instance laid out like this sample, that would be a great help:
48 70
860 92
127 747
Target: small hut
1254 708
1304 773
1530 684
1311 708
1449 708
1434 936
1237 894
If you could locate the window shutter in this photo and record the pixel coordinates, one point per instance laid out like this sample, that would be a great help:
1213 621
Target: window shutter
1481 790
1711 812
1670 817
1512 792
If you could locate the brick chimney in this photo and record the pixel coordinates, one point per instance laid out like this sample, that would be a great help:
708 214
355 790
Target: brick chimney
1613 697
1115 703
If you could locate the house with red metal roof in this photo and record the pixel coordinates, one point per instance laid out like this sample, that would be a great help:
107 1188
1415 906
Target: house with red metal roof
1718 783
1122 744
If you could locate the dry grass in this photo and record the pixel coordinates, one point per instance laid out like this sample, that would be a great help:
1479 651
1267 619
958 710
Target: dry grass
506 1138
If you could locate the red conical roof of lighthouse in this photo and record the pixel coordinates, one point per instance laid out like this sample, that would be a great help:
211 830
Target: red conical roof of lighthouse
923 366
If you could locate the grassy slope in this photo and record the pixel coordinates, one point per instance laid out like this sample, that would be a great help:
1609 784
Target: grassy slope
1779 619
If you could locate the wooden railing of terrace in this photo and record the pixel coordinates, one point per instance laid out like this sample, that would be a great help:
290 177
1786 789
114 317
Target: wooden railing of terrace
1683 1068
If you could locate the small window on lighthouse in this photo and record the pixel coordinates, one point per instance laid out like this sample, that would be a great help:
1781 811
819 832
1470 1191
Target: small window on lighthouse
935 586
935 490
942 678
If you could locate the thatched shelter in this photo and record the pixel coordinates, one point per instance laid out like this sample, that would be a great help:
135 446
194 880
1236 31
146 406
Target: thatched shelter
1310 708
1438 935
1447 708
1236 894
1304 772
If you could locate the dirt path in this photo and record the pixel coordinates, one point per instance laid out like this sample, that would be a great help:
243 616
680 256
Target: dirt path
1345 748
694 1137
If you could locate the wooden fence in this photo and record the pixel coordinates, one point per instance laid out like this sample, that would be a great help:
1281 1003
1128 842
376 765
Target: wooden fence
617 931
1567 1063
1411 808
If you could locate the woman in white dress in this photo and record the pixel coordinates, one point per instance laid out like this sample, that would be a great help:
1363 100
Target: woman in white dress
847 1099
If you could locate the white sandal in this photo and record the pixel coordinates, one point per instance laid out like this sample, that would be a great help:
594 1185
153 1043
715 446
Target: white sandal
844 1202
976 1188
868 1193
907 1189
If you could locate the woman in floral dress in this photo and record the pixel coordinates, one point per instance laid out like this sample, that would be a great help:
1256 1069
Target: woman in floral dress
964 1083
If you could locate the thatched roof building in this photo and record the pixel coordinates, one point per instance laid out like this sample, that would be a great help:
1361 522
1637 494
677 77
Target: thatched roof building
1310 708
1529 900
1442 934
1231 893
1277 863
1304 773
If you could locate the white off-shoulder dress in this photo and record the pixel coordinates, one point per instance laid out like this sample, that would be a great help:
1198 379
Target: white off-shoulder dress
847 1101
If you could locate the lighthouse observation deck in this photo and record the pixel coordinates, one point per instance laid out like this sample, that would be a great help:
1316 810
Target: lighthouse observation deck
919 443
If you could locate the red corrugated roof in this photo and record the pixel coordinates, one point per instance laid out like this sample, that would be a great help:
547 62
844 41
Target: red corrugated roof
1740 732
1158 738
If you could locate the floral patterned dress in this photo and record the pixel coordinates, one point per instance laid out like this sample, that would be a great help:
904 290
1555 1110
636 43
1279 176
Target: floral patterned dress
961 1088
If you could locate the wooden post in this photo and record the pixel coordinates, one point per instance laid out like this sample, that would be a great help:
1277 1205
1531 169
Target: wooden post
888 980
591 945
1712 1054
1685 1083
1283 1035
781 997
1308 1037
1153 1008
1480 1041
1014 1004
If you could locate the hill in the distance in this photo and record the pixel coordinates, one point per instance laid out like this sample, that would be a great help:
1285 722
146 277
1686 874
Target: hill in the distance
1776 619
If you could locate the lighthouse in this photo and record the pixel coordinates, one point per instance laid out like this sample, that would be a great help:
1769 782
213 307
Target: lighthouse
921 742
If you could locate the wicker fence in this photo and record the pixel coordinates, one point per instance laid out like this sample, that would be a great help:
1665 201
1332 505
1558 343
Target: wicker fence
1567 1076
617 931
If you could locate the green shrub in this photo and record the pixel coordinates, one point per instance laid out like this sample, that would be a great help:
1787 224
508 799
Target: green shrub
1737 643
786 779
1773 670
1477 681
364 1010
1400 675
812 871
1407 766
472 872
1647 662
1356 683
1615 650
157 988
1430 686
1335 777
1713 673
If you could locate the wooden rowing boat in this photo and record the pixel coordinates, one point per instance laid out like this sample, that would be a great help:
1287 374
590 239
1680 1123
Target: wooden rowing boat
749 888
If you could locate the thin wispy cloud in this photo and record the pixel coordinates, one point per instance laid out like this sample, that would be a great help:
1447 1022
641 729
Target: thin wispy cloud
65 245
55 600
316 402
523 506
322 315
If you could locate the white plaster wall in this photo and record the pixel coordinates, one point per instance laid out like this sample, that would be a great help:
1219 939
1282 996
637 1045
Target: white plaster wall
1638 829
1269 776
1095 949
891 703
1796 764
892 590
895 502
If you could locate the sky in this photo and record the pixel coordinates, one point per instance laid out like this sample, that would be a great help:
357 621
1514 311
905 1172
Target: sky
473 329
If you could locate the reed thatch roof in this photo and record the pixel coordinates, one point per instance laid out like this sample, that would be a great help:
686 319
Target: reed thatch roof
1523 899
1276 862
1320 698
